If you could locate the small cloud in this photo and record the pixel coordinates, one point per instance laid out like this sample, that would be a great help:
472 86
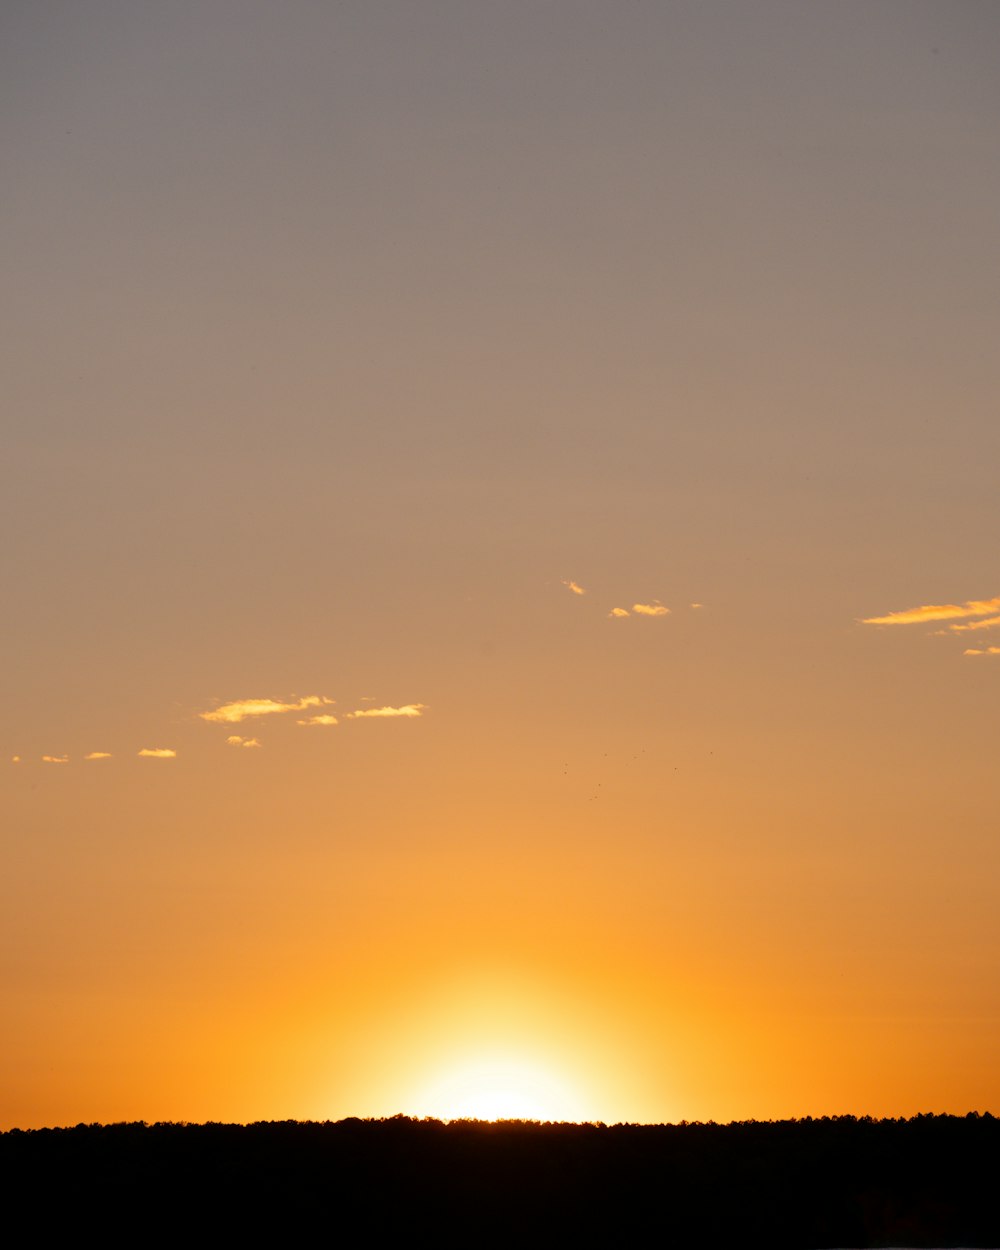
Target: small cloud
619 612
55 759
981 651
574 587
936 612
157 753
324 718
697 605
991 622
650 609
243 709
15 759
98 755
410 709
235 740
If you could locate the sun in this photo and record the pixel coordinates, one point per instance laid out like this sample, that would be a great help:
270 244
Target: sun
499 1087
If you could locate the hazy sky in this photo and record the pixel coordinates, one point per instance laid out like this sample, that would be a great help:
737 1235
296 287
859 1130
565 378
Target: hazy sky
345 344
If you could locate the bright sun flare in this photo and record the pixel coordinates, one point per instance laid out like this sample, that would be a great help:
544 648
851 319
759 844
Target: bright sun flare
499 1089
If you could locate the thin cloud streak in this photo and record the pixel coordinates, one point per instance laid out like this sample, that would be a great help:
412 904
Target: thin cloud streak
234 740
409 710
243 709
650 609
991 622
98 755
574 587
55 759
323 718
936 612
157 753
618 613
981 651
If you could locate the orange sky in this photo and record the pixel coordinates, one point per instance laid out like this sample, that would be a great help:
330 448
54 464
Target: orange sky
502 604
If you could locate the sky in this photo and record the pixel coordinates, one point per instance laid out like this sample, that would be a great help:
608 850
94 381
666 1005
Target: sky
502 610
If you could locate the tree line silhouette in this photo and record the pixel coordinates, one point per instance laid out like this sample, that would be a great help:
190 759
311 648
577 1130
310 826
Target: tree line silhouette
833 1182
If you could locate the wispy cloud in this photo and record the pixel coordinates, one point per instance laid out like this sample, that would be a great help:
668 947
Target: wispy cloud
15 759
981 651
650 609
235 740
157 753
98 755
936 612
619 612
697 605
991 622
574 587
55 759
243 709
323 718
410 709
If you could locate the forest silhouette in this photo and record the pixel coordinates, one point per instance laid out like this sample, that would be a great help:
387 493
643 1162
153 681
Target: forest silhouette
840 1181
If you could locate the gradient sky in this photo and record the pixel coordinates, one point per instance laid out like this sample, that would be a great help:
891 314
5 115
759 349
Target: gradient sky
345 344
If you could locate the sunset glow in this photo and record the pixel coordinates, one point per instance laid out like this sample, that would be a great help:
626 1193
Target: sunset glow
497 1087
501 556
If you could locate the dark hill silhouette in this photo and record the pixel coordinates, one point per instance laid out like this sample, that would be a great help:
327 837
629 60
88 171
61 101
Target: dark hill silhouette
926 1181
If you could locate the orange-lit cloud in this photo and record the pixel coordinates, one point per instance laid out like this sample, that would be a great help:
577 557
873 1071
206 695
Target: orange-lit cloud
981 651
619 612
243 709
936 612
650 609
235 740
697 605
15 759
323 718
574 587
98 755
157 753
55 759
410 709
991 622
